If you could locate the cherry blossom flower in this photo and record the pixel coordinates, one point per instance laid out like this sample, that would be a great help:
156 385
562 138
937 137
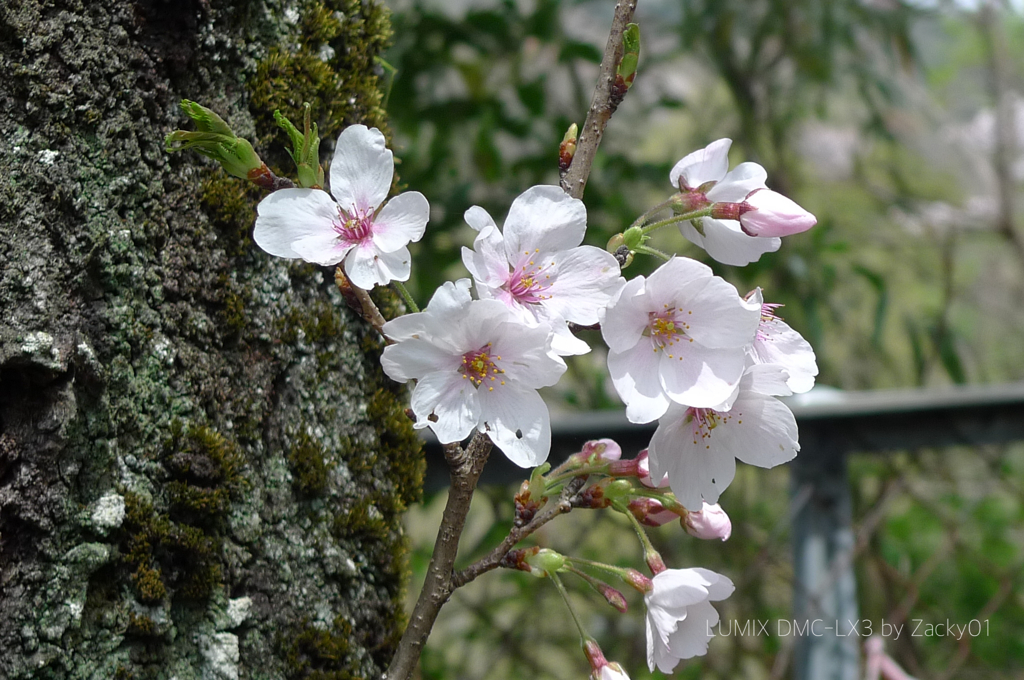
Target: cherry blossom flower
678 336
710 522
538 267
777 343
680 615
697 447
308 224
723 239
477 366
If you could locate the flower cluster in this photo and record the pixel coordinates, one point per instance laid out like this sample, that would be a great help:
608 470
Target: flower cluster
684 349
478 363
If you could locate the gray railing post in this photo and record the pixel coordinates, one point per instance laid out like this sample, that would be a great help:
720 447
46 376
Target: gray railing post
825 617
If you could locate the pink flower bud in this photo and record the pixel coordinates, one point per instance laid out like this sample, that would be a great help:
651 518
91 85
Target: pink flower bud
650 512
637 580
644 472
766 213
711 522
614 597
605 449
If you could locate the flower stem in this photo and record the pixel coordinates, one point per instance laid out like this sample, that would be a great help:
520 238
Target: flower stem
647 250
565 598
404 292
675 219
621 572
642 220
650 554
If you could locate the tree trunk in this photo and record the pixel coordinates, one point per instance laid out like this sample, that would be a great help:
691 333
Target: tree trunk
201 464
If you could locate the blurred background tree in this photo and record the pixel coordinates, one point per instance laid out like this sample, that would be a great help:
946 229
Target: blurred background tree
899 124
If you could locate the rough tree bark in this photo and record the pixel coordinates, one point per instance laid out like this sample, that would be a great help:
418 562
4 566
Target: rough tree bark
201 465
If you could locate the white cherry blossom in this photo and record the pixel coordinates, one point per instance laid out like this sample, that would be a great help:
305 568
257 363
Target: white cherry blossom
477 366
777 343
697 447
538 268
372 240
680 615
677 336
724 240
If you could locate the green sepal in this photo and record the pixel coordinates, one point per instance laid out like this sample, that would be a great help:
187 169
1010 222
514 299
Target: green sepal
305 149
214 139
630 54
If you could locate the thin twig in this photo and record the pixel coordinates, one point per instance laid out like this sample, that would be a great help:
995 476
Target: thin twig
359 301
602 105
493 559
466 466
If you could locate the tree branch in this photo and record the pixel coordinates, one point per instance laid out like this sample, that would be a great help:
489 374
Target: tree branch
566 502
602 105
466 466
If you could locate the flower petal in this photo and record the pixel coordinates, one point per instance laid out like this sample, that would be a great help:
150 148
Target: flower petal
290 215
726 243
761 432
707 165
635 376
487 262
324 249
739 182
700 376
543 218
401 220
478 218
624 320
414 358
518 423
587 278
362 169
367 267
452 400
717 316
699 468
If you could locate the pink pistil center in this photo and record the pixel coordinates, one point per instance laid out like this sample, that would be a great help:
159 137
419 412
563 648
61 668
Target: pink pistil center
667 328
479 367
527 282
356 227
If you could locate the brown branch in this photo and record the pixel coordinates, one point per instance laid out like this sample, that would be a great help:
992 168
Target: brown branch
359 301
602 105
566 502
466 466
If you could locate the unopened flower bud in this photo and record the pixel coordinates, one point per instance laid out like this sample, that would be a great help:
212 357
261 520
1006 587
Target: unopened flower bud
650 512
614 597
567 149
305 149
637 580
545 562
709 523
766 213
643 465
603 450
214 139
